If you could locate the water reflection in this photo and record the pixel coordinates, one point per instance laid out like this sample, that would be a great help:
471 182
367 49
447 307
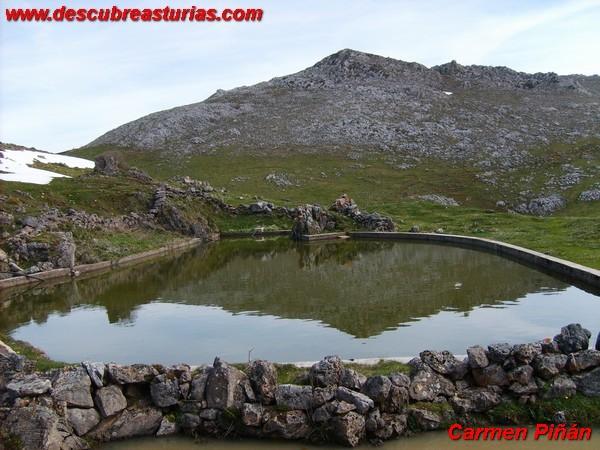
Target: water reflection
291 300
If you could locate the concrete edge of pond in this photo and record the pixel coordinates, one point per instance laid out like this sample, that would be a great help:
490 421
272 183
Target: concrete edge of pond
571 270
125 261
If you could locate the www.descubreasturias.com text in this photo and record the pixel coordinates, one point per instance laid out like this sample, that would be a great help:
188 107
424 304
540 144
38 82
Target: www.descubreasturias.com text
117 14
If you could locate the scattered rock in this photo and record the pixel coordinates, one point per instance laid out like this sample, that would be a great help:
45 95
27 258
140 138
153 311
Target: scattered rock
593 195
439 200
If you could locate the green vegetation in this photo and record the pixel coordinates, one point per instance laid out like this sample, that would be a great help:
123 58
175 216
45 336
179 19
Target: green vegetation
383 367
378 184
579 409
40 360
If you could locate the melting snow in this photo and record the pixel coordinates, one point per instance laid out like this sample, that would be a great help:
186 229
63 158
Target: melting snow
14 165
448 92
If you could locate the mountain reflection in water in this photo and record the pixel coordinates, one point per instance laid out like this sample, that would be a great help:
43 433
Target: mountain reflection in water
366 298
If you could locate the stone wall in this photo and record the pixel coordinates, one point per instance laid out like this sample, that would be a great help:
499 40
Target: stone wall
74 407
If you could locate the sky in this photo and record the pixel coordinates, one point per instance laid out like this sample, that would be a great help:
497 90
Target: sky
64 84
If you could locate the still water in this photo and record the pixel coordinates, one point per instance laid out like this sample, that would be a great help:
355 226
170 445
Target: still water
284 301
425 441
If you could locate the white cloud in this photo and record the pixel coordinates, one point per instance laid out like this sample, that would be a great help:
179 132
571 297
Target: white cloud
62 85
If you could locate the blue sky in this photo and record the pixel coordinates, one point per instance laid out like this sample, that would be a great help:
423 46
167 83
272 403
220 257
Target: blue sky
62 85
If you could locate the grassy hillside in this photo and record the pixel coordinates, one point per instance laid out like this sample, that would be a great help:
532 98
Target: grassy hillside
380 184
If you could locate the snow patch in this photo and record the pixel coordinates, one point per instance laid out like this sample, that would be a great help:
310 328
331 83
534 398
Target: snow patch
448 92
14 165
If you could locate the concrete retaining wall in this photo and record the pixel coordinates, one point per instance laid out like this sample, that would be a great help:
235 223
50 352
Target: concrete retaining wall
557 266
100 266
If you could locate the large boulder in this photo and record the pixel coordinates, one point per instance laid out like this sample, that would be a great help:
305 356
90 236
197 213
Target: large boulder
292 396
426 386
164 391
424 419
287 425
129 423
477 357
378 388
28 385
547 366
492 375
349 429
573 338
583 360
73 386
475 400
110 400
525 353
227 387
263 378
361 402
498 353
136 373
444 363
82 420
40 428
326 372
589 383
561 387
311 219
106 165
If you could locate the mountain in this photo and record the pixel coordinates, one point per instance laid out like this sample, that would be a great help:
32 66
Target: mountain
362 101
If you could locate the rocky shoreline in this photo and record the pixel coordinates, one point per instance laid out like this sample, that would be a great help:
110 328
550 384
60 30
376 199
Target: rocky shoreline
83 405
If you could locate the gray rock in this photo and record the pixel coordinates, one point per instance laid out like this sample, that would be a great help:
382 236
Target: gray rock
209 414
362 402
348 429
164 391
475 400
549 365
292 396
597 347
326 372
392 426
492 375
498 353
321 415
110 400
543 206
444 363
377 388
427 386
352 379
287 425
136 373
106 165
82 420
561 387
477 357
424 419
593 195
439 200
344 408
227 387
573 338
583 360
96 372
525 353
129 423
40 428
190 421
198 387
167 428
397 400
400 380
524 389
73 386
263 377
589 383
28 385
522 375
252 414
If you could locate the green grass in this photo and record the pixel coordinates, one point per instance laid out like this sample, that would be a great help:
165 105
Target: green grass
40 360
376 185
580 409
